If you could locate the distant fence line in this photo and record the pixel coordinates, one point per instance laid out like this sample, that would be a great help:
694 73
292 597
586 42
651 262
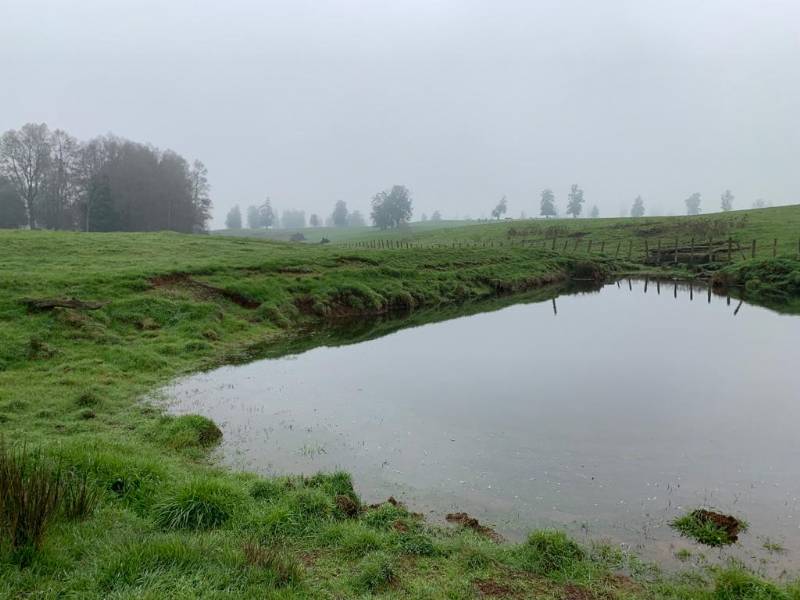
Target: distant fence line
658 251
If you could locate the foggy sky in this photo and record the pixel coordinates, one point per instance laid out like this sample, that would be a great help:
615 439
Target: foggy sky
461 101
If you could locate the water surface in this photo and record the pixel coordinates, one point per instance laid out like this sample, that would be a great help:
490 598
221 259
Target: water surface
608 413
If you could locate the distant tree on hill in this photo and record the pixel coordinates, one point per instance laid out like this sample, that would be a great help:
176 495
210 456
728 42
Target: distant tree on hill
313 220
436 216
423 218
501 208
726 201
548 204
253 217
340 213
102 214
575 201
267 216
392 208
595 212
234 218
760 203
12 208
356 219
637 210
293 219
693 204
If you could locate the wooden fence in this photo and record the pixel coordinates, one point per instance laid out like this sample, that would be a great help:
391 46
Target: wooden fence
649 251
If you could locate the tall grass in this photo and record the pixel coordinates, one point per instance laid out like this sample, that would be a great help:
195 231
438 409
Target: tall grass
31 491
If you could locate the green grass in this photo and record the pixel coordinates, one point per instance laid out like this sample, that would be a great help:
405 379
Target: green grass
155 517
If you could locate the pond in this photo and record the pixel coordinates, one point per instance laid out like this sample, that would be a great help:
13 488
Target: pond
607 413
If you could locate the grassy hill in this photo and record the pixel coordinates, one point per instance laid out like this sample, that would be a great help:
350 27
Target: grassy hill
149 516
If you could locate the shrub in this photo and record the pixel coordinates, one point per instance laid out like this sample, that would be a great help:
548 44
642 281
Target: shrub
374 573
199 504
547 552
31 490
188 431
286 569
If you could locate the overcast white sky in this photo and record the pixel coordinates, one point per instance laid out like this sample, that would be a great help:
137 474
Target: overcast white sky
462 101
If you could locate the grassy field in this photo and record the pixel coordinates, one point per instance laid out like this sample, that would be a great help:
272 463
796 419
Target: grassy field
314 235
158 520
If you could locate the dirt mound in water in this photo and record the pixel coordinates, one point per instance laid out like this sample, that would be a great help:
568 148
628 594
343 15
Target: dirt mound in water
731 525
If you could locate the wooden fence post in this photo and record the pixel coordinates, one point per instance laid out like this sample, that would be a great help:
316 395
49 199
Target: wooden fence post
730 250
619 245
774 247
691 258
676 251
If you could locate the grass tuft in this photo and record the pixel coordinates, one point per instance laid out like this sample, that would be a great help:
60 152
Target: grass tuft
374 573
201 503
548 552
286 569
735 583
80 497
188 431
31 490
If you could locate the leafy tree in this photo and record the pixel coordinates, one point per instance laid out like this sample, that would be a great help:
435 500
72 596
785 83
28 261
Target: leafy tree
266 214
595 212
201 202
253 217
637 210
500 209
693 204
436 216
727 201
423 218
356 219
548 204
102 212
313 220
340 213
24 160
293 219
575 201
392 208
234 218
760 203
12 208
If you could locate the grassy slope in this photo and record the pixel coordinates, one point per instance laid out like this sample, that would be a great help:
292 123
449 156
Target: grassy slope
71 380
334 234
764 225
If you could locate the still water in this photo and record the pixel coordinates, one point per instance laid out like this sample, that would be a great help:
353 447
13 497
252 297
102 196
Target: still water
607 413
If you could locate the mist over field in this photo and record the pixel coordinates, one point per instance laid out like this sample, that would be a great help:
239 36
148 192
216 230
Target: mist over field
462 102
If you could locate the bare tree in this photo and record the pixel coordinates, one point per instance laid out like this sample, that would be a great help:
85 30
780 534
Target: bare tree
24 159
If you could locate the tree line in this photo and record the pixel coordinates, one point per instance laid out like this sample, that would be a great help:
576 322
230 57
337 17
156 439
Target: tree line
391 208
51 180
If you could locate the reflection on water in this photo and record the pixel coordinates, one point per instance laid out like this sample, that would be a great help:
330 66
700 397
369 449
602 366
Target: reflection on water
608 413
